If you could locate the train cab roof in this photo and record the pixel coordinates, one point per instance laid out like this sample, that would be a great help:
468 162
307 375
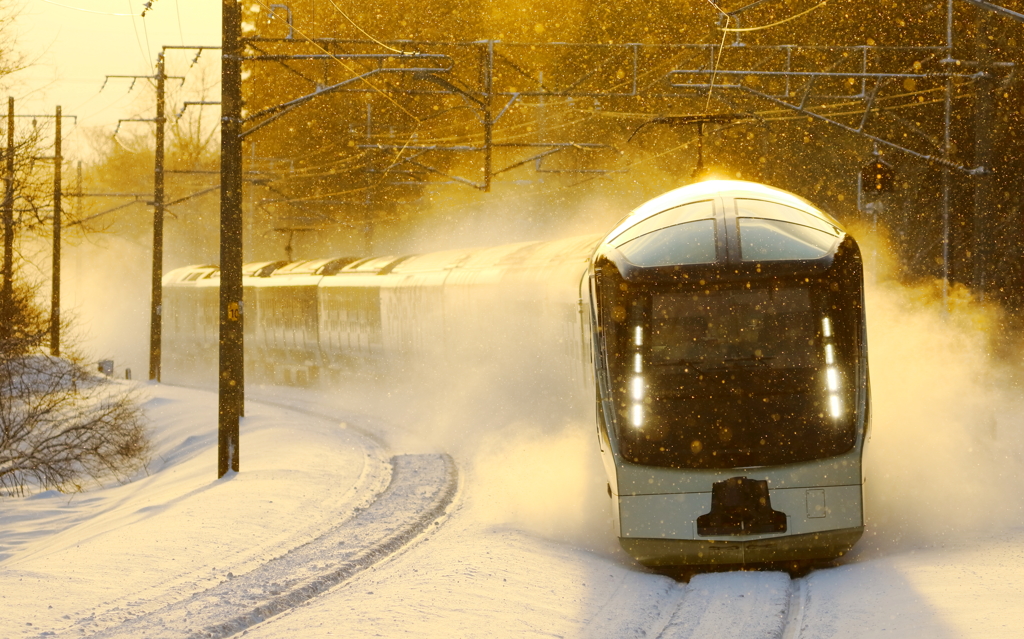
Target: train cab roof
724 222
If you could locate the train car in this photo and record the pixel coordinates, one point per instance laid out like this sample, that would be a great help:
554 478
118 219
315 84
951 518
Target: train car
731 362
282 307
351 334
190 324
716 337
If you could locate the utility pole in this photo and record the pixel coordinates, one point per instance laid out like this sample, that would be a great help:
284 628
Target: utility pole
982 252
487 115
231 367
7 293
156 296
55 285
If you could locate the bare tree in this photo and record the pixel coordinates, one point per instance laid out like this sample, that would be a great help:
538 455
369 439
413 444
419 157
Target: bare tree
61 424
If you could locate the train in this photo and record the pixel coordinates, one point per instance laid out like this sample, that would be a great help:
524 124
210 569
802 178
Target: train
716 338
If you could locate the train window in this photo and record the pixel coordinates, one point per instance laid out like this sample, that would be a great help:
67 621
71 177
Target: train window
688 243
770 328
679 215
762 209
764 240
729 376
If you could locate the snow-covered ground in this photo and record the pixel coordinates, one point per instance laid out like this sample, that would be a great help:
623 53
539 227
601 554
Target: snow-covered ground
85 562
94 562
345 522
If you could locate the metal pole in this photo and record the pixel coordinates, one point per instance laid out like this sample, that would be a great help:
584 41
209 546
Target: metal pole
57 213
231 353
7 296
156 296
368 198
488 123
945 156
984 126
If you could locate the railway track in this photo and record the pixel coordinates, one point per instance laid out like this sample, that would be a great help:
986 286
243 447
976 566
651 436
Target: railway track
728 605
417 493
740 605
421 489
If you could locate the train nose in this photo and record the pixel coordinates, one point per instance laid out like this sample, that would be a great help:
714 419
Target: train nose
741 506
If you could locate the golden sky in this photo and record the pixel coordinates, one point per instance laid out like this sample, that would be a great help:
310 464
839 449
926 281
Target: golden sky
74 44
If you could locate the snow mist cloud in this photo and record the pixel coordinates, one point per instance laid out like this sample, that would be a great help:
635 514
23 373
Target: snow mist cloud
944 461
524 438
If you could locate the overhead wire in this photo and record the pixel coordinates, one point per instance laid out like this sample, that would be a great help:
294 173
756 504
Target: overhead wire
432 139
102 13
501 134
718 60
181 34
774 24
135 28
340 61
475 138
510 133
363 31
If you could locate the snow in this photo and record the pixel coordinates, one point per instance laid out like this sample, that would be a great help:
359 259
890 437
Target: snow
311 531
421 489
90 560
971 588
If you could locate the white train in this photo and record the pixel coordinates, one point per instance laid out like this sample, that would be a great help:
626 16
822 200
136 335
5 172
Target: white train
719 328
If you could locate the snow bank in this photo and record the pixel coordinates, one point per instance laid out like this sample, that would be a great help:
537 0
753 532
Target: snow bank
90 561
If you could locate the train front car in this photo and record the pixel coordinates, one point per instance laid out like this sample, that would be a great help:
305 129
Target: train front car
732 377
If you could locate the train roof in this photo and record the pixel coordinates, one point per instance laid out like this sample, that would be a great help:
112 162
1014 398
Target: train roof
261 269
432 261
372 264
725 221
735 189
569 249
190 273
322 266
499 255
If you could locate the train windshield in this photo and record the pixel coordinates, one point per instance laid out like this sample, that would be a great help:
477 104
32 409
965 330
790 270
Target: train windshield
724 377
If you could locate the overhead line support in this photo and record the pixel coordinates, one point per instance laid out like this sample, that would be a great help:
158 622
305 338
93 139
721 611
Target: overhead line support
57 212
7 292
231 355
156 293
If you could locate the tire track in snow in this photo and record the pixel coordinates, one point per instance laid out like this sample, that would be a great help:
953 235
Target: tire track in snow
738 605
422 487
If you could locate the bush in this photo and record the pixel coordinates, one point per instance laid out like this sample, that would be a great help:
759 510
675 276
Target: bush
60 424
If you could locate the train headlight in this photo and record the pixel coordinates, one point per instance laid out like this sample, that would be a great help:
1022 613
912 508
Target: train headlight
637 385
835 406
832 376
638 388
637 415
831 372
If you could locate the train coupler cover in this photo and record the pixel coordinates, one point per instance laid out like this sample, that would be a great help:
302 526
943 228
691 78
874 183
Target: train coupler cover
741 506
